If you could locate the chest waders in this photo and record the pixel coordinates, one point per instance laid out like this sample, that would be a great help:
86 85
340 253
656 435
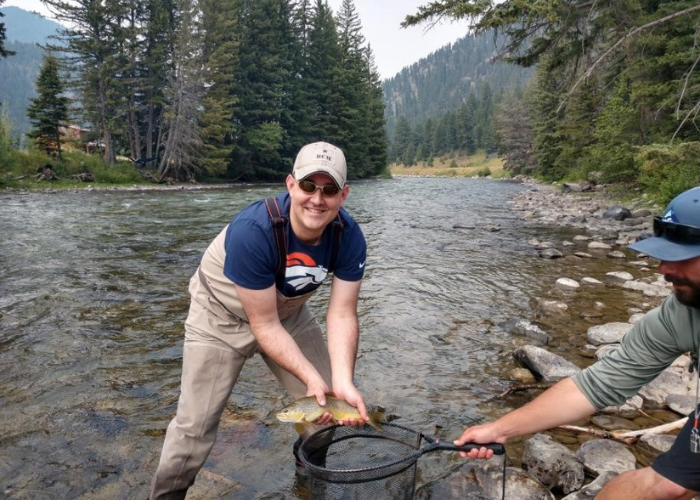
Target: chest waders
278 226
285 304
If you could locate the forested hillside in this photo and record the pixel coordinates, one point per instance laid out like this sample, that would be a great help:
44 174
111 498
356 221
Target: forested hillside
616 96
444 80
18 73
219 88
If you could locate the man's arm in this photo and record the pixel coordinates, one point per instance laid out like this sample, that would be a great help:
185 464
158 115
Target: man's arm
261 308
342 332
560 404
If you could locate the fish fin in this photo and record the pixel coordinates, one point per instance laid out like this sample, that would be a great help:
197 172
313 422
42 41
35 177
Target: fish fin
300 428
375 420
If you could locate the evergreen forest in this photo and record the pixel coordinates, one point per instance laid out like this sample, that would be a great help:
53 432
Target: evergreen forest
616 91
211 89
230 90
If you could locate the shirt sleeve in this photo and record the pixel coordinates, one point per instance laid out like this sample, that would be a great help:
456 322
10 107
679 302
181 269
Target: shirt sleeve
250 259
646 350
352 254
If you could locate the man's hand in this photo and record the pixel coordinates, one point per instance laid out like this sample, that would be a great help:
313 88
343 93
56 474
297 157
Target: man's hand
350 394
485 433
318 389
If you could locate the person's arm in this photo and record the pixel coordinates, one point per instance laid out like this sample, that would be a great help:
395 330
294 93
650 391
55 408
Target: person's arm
342 332
261 308
560 404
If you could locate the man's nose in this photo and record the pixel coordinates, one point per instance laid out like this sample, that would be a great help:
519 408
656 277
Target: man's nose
317 197
666 267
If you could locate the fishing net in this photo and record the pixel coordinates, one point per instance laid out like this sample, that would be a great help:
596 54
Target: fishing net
347 463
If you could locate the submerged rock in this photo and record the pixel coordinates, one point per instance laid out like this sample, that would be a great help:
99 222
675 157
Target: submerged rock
544 364
553 464
484 482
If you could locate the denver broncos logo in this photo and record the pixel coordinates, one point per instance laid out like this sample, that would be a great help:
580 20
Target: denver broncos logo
302 271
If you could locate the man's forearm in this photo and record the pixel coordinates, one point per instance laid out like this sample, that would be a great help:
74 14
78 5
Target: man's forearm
343 339
562 403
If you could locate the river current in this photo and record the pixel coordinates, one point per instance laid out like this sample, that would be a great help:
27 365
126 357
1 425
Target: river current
93 294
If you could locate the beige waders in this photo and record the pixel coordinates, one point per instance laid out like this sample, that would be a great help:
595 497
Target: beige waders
218 341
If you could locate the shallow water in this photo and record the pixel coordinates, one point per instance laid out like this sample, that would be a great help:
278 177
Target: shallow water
93 293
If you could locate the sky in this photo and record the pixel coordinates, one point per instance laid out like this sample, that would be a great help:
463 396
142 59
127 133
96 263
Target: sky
393 47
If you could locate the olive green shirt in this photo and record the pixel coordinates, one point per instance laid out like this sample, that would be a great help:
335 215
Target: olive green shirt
652 344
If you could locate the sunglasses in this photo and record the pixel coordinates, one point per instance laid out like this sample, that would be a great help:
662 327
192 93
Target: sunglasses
310 187
680 233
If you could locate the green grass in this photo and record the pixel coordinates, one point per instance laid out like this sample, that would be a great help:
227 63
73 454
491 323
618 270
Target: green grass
19 169
478 164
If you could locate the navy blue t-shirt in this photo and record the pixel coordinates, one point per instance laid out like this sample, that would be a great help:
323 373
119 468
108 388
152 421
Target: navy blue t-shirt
251 252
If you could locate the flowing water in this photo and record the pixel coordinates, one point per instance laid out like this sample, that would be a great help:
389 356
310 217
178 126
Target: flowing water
93 294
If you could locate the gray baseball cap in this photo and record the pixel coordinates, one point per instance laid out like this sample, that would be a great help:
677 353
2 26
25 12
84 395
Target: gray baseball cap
677 231
321 157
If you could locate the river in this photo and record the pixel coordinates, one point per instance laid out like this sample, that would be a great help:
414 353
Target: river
93 294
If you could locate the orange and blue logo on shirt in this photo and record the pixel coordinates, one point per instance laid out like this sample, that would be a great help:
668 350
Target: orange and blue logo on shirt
302 271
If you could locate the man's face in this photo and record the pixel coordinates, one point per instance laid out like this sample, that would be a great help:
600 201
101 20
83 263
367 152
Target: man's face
310 213
685 276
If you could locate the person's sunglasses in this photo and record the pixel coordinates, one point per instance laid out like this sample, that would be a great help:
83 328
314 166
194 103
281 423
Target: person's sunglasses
327 190
673 231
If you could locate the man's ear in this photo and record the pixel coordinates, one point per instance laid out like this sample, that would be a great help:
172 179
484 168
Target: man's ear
290 182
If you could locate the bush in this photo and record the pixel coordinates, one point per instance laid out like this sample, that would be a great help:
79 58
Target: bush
453 164
77 162
483 172
668 170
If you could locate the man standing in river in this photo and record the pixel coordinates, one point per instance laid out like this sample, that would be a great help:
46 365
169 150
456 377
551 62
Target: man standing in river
648 348
248 296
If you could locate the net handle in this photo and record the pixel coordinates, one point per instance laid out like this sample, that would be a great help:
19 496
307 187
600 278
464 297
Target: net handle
497 448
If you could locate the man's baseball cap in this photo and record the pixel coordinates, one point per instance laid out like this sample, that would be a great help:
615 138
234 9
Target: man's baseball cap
677 231
321 157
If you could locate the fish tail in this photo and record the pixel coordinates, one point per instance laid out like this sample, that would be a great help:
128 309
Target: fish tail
375 420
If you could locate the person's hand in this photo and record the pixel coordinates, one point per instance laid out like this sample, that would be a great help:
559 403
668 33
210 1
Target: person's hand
485 433
350 394
318 389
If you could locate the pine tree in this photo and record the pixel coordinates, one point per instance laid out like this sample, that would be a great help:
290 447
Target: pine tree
373 116
617 135
547 134
3 51
220 48
353 91
576 128
323 74
48 112
159 43
91 53
515 132
182 143
401 140
301 102
264 86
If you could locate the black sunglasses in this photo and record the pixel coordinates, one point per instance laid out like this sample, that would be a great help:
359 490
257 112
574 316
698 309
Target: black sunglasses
327 190
680 233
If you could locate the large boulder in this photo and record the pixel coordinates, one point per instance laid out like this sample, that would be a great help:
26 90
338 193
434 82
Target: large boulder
544 364
617 212
484 482
553 464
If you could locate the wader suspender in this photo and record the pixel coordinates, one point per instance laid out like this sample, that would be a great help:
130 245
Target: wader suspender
278 226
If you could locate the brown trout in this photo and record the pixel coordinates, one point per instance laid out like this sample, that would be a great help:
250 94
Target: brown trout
305 410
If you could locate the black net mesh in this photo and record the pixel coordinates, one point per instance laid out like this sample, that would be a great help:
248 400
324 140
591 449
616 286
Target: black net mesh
362 463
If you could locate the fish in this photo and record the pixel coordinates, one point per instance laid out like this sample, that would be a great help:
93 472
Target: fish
304 411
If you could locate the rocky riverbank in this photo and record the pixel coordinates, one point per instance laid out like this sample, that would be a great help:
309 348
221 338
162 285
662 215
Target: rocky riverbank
555 464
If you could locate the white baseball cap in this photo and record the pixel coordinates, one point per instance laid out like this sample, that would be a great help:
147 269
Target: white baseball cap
320 157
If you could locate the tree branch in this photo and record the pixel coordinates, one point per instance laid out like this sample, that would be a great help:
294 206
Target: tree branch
627 437
627 36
